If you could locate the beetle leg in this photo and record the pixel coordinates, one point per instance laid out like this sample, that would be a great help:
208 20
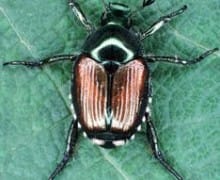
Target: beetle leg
163 20
42 62
153 139
80 15
177 60
71 142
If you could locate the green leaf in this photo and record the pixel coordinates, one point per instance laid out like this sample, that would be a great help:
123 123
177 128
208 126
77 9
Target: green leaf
34 108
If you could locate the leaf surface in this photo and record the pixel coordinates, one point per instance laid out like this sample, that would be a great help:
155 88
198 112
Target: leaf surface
34 105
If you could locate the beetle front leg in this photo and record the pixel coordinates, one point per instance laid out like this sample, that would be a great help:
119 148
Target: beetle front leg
177 60
42 62
161 22
80 15
153 139
71 142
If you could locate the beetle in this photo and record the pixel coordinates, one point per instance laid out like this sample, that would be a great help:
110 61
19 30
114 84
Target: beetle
111 93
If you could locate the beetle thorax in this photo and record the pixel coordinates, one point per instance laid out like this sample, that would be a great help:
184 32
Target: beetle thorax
112 49
113 43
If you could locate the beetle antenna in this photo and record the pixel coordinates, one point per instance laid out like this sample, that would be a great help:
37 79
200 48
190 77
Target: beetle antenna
148 2
138 9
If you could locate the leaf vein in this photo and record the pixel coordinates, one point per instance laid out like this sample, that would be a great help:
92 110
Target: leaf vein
22 40
115 164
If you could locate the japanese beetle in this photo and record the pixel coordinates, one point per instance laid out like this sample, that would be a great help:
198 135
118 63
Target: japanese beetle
111 90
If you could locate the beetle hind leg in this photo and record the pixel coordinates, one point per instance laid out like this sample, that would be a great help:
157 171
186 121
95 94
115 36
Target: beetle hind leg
71 142
153 139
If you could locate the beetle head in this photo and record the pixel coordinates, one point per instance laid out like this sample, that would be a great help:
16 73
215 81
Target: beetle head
116 13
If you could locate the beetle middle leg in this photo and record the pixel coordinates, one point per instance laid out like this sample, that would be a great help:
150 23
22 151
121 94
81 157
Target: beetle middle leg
177 60
163 20
42 62
71 142
153 139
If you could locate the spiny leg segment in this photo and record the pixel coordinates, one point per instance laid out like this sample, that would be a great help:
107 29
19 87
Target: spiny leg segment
80 15
42 62
71 142
153 139
177 60
161 22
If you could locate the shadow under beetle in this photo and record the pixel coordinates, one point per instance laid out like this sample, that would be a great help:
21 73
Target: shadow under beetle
111 90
